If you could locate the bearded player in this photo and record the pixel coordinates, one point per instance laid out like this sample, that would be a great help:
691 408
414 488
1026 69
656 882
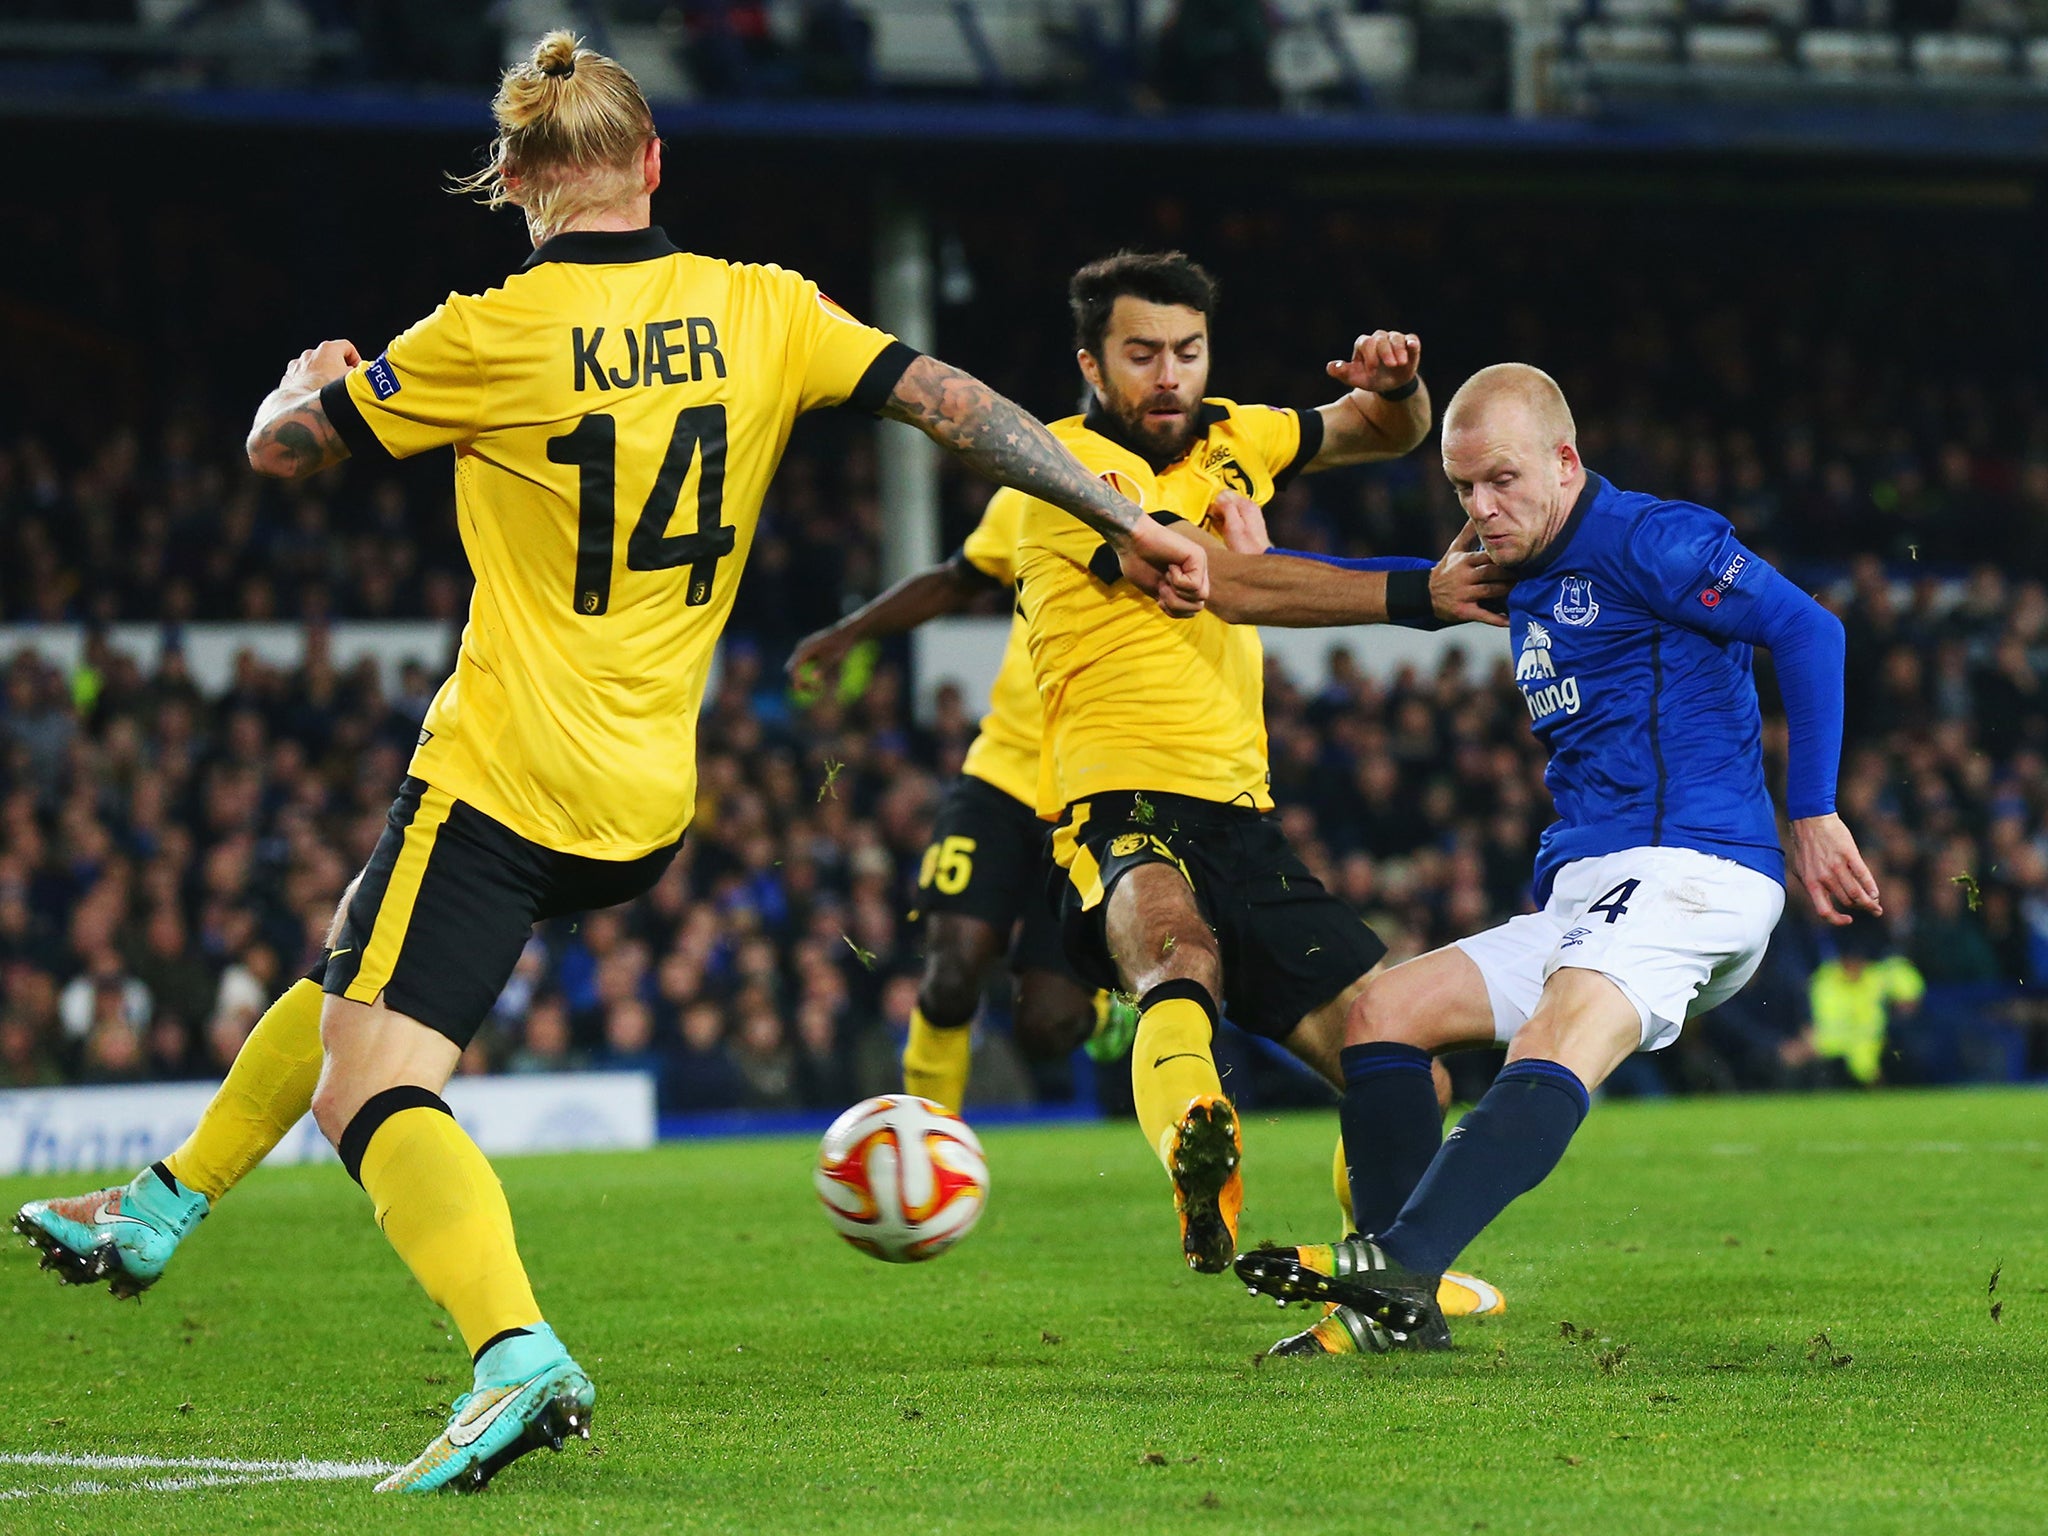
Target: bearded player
1177 884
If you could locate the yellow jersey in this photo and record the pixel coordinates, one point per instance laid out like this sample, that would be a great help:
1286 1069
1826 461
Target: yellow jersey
1133 699
617 408
1005 753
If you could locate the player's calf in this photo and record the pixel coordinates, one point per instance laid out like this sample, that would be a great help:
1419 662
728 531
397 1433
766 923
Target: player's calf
939 1053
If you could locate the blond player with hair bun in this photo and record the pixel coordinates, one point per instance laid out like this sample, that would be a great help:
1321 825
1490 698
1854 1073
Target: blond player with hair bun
617 407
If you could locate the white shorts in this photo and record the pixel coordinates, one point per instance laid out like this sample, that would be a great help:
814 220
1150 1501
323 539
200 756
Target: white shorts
1677 930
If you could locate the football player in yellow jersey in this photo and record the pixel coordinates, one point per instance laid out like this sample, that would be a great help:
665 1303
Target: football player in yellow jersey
1180 887
984 875
617 407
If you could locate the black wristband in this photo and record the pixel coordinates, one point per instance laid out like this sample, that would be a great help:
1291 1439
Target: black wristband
1408 600
1398 395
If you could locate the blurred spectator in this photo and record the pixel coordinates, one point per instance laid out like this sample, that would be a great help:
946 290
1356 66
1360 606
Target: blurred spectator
701 1073
246 987
113 1051
1213 53
1854 1000
729 47
102 989
628 1038
761 1051
545 1045
835 50
25 1059
178 980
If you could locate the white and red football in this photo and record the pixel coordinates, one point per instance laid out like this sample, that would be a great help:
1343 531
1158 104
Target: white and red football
901 1178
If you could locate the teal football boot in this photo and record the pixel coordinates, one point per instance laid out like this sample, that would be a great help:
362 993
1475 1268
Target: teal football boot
124 1236
528 1394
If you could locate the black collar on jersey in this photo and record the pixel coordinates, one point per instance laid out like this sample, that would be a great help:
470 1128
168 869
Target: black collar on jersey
1104 423
604 247
1592 488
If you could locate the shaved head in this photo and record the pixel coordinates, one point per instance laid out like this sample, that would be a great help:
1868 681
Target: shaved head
1511 451
1529 392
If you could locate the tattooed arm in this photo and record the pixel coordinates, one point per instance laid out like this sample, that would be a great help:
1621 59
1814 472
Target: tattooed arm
1012 447
292 437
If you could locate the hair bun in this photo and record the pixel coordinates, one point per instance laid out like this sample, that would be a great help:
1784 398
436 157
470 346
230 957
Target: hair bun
555 55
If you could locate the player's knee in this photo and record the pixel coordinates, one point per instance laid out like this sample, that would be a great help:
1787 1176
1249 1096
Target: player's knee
1048 1028
951 989
1189 955
332 1108
1375 1016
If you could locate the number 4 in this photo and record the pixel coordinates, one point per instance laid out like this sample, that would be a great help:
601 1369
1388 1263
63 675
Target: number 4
1615 902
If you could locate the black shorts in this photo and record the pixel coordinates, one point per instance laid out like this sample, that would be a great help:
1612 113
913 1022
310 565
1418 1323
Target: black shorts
449 899
988 860
1288 945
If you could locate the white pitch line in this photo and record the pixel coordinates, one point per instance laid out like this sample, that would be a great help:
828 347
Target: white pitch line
213 1472
300 1470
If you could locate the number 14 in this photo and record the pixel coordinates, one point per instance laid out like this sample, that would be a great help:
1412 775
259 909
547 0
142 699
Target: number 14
593 449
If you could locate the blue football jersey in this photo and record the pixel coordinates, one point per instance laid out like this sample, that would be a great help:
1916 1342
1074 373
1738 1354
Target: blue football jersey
1632 639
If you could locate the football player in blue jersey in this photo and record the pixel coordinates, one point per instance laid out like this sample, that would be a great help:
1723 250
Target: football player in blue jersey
1633 622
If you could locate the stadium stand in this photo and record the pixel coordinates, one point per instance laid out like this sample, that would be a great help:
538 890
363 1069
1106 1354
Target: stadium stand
1531 57
168 855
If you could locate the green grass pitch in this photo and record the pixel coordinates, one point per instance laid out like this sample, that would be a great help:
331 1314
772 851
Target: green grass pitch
1781 1319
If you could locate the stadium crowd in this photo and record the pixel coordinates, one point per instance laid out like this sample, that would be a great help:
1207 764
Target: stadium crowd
168 860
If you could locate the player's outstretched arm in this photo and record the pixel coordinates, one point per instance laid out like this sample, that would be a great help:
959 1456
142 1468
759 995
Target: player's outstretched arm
1012 447
1307 594
917 598
292 437
1386 412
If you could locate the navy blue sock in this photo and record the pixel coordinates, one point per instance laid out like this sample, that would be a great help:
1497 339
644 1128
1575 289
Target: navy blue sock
1505 1147
1392 1128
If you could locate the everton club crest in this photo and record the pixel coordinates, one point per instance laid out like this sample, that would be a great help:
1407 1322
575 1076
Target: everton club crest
1575 603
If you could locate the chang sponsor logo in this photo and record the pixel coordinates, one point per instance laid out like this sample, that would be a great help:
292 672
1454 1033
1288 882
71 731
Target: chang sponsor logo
1561 697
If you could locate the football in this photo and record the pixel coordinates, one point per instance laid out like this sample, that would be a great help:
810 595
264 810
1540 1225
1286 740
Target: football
901 1178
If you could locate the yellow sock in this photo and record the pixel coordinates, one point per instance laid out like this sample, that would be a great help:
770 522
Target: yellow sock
1170 1065
1340 1172
935 1060
269 1087
444 1211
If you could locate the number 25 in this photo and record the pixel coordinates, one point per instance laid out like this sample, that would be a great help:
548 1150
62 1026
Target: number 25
948 865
